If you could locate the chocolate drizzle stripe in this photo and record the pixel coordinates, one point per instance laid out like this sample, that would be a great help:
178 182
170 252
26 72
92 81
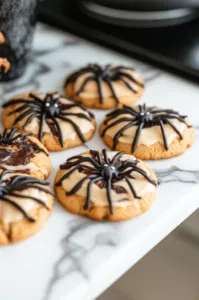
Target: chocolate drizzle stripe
50 109
108 74
9 187
102 169
146 117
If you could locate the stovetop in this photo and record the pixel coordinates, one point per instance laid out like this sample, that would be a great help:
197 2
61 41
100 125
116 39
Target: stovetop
175 47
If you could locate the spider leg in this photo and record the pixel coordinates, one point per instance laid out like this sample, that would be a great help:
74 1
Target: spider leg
89 78
128 86
79 115
108 190
116 157
131 78
4 173
108 81
26 179
40 188
77 129
29 119
16 101
175 129
120 132
78 159
92 181
59 131
99 158
12 132
68 106
179 118
144 174
31 198
41 125
78 185
17 206
132 188
115 123
37 99
106 159
131 110
99 85
23 115
137 136
5 133
164 135
21 108
66 175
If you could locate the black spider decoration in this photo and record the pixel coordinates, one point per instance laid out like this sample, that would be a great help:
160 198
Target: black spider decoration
107 74
17 183
144 118
49 109
8 138
102 169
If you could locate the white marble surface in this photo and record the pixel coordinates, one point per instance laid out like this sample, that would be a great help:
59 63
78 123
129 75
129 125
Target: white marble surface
74 258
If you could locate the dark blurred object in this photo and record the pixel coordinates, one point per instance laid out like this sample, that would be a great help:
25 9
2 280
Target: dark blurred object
176 47
142 13
17 20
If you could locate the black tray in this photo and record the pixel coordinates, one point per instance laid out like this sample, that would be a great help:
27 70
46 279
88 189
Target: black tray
175 47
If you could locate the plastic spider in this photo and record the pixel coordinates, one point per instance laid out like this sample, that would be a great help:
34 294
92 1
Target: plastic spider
144 118
107 74
102 169
11 185
49 109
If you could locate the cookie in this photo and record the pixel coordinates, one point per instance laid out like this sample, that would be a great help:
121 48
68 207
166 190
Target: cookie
4 63
25 205
59 123
22 152
147 132
105 185
104 87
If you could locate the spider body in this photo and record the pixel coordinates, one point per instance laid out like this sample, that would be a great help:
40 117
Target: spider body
102 169
50 109
144 117
107 74
12 185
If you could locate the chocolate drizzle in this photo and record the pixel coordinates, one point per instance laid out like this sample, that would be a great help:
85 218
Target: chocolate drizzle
102 169
17 149
18 183
50 109
145 117
106 74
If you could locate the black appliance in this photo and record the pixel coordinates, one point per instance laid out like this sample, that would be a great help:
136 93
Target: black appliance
171 41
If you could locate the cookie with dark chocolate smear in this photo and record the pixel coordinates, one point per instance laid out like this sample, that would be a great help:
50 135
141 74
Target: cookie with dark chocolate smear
23 153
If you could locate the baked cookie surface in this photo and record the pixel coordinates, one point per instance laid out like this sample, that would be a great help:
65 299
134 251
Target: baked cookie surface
104 87
22 152
147 132
105 185
59 123
25 205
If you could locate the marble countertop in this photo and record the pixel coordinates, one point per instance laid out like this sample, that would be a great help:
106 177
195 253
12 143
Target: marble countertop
74 258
